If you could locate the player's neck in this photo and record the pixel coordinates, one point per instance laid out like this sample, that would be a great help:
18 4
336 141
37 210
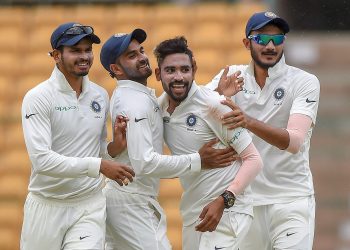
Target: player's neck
260 75
76 83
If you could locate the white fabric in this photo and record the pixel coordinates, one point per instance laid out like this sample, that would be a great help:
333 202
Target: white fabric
145 140
64 136
139 223
288 90
297 128
282 226
144 154
69 225
228 235
193 123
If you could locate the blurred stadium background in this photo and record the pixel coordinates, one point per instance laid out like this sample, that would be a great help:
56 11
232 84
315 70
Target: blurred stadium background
319 43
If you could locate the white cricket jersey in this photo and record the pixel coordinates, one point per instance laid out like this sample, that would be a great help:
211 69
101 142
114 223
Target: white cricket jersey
193 123
145 140
288 90
64 136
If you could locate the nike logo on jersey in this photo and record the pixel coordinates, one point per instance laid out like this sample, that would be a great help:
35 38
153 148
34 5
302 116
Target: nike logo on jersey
218 248
289 234
309 101
83 237
27 116
137 120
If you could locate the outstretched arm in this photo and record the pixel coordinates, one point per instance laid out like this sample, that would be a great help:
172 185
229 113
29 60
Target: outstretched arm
290 138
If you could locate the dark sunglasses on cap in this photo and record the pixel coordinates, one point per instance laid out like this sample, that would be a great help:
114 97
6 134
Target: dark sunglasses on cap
264 39
76 30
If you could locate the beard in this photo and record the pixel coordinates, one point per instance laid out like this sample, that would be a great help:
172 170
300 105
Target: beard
260 63
138 74
72 71
168 89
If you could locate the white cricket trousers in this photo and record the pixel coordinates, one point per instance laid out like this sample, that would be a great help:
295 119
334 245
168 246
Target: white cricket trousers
228 234
134 222
63 225
282 226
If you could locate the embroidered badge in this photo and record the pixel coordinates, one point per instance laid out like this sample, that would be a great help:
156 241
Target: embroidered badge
279 94
191 120
95 106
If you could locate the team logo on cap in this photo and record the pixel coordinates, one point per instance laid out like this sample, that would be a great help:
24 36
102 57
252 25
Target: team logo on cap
95 106
119 34
279 94
270 14
191 120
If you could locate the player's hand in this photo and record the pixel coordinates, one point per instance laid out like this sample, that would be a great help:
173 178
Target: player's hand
119 172
236 118
119 142
216 158
230 85
211 215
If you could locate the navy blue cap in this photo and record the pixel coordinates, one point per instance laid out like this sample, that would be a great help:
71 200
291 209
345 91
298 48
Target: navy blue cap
59 38
260 19
117 44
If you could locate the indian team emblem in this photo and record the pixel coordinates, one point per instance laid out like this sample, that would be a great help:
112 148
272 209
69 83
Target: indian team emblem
95 106
279 94
191 120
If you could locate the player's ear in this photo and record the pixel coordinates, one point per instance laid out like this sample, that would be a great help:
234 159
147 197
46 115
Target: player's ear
157 73
116 69
56 55
194 66
246 43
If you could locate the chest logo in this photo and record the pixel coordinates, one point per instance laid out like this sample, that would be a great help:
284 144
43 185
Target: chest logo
95 106
279 94
191 120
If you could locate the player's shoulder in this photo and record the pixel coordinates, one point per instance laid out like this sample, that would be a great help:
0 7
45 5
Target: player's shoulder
208 96
238 67
42 91
300 74
99 89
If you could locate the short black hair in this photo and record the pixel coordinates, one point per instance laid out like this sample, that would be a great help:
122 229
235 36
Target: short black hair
172 46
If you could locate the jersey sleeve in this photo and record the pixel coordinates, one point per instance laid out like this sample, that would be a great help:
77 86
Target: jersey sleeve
238 138
143 156
213 84
306 97
38 139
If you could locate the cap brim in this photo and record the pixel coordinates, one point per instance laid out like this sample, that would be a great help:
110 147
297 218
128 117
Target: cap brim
278 22
74 40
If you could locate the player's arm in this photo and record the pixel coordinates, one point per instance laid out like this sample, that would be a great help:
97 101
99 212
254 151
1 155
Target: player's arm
251 165
119 143
38 139
290 138
240 140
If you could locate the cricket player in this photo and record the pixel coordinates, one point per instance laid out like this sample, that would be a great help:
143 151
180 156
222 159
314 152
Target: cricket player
64 125
135 220
191 117
278 105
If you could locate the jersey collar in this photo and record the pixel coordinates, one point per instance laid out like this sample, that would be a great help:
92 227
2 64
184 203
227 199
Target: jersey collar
136 86
61 83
